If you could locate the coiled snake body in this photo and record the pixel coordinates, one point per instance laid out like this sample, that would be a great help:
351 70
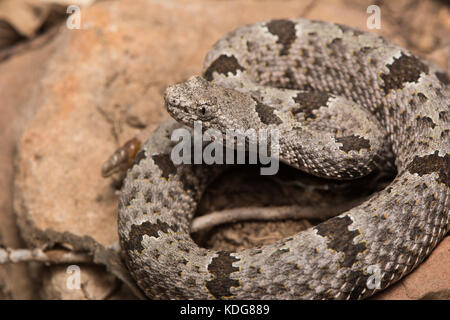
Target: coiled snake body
342 99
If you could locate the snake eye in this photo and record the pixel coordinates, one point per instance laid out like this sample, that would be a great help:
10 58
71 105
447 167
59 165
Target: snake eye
205 111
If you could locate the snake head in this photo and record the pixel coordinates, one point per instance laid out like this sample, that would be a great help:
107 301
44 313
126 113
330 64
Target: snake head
191 101
215 106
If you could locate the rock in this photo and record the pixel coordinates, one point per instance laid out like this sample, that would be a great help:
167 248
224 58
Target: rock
101 84
94 283
19 76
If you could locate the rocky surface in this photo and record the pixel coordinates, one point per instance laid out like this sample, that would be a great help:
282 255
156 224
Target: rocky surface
18 79
93 89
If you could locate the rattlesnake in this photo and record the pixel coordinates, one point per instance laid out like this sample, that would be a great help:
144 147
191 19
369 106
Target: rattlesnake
343 100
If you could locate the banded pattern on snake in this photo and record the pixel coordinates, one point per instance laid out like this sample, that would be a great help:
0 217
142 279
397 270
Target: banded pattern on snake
344 101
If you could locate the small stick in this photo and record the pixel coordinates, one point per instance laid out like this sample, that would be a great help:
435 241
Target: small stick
263 214
8 255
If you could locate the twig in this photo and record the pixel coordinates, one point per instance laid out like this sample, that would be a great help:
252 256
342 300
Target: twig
55 256
95 253
263 214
